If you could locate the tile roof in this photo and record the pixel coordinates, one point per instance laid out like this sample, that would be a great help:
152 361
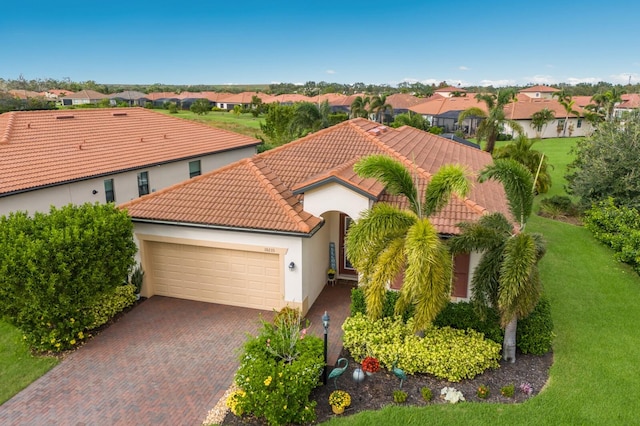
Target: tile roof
25 94
40 148
523 110
129 94
449 89
440 105
630 101
540 88
259 193
403 100
86 94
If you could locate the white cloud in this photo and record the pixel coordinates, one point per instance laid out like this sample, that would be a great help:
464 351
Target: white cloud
497 83
541 79
623 78
463 68
578 80
330 72
549 66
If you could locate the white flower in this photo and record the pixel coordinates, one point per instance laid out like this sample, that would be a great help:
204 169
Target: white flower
452 395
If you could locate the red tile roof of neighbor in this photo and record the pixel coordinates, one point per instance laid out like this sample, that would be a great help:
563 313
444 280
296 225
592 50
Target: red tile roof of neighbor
439 105
41 148
86 94
25 94
540 88
524 110
630 101
265 192
403 100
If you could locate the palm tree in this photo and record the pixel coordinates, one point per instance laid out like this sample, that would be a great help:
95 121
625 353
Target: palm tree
521 151
494 121
410 119
567 103
379 107
606 102
507 274
540 120
388 240
309 117
360 107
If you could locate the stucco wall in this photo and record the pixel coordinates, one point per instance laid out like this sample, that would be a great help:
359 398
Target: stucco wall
125 184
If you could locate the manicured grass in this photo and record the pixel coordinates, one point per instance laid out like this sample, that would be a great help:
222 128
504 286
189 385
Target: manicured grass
245 124
18 368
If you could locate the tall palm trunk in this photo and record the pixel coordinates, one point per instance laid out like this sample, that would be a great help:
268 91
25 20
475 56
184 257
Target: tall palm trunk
509 344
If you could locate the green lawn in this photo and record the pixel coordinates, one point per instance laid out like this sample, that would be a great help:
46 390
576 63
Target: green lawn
18 368
245 124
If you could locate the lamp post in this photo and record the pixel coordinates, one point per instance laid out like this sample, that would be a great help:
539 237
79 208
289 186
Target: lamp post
325 324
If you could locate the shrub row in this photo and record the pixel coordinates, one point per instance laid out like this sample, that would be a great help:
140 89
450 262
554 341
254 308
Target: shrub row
617 227
54 268
447 353
534 333
278 370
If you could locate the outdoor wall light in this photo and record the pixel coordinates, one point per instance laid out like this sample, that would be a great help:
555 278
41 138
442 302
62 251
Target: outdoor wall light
292 266
94 192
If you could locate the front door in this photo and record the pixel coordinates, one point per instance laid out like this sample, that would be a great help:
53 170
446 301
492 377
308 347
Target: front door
344 266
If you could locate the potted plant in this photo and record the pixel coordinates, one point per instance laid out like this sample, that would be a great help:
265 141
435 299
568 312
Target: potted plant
137 277
370 365
339 400
331 273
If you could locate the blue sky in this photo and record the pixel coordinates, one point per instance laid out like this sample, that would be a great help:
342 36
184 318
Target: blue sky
246 42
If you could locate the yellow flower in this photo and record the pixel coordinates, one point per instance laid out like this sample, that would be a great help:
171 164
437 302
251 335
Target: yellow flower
73 341
267 381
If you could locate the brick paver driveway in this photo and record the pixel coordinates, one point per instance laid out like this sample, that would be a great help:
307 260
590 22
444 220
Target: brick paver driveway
166 362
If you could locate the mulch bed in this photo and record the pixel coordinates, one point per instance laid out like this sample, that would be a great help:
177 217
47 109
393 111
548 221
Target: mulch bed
376 391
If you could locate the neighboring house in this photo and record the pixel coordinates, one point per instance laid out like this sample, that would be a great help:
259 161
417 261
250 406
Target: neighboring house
262 232
444 111
243 99
521 112
452 92
539 92
101 155
25 94
401 102
83 97
629 103
130 97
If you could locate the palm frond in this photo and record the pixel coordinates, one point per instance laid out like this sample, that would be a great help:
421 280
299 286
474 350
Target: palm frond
449 179
519 284
389 264
393 175
427 279
471 112
518 185
489 232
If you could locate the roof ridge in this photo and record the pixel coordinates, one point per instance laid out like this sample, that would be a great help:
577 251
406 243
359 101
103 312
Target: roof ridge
7 131
274 193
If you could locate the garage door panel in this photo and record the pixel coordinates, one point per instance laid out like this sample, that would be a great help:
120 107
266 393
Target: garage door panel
241 278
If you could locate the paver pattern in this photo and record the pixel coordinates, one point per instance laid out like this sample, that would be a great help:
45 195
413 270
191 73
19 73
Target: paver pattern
166 362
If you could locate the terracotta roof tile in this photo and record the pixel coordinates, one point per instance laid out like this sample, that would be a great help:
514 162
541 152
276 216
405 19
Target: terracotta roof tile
86 94
440 105
403 100
258 193
540 88
523 110
40 148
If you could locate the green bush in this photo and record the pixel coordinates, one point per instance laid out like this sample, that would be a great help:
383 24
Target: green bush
558 206
278 370
463 315
619 228
110 303
54 266
358 304
445 352
534 334
399 396
508 390
426 393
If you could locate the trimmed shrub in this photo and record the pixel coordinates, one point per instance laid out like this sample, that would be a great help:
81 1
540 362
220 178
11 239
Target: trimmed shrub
534 334
463 315
399 396
426 393
558 206
359 305
278 370
445 352
54 267
111 302
508 390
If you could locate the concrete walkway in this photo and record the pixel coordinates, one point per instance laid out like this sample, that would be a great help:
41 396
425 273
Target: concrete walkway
166 362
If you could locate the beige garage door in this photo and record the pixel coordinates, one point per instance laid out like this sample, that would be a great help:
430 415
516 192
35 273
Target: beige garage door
216 275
